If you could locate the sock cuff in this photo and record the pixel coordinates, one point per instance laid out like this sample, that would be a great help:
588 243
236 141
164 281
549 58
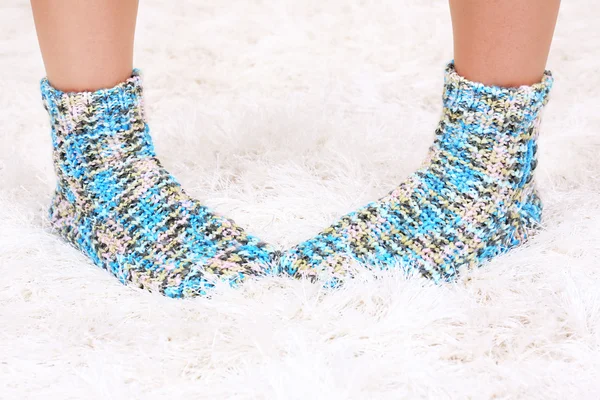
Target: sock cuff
70 110
516 102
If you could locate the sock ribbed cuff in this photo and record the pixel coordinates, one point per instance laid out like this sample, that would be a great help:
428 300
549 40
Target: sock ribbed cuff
71 112
517 103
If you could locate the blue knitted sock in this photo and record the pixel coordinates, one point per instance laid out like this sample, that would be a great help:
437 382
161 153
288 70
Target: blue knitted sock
473 199
118 205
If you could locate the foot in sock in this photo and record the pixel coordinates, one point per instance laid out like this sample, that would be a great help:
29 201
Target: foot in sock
116 203
473 199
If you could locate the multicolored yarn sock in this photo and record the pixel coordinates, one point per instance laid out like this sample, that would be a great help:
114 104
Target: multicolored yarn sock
473 199
117 204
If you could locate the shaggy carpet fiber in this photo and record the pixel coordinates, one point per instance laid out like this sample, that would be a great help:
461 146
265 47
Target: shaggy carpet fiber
284 115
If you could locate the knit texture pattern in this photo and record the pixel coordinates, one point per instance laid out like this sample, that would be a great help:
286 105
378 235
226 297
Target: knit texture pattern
118 205
473 198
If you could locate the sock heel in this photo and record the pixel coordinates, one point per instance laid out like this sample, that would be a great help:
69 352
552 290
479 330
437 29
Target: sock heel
525 218
61 214
74 227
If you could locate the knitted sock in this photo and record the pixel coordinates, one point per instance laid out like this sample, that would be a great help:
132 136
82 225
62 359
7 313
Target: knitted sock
117 204
473 199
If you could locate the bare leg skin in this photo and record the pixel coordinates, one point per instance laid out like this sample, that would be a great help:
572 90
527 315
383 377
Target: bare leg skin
86 45
503 42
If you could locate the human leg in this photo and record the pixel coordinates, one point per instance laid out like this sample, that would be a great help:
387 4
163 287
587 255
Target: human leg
474 198
114 201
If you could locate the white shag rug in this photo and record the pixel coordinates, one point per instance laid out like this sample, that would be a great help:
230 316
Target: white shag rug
284 115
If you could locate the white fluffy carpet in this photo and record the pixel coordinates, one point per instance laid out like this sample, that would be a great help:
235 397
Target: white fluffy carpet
284 115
